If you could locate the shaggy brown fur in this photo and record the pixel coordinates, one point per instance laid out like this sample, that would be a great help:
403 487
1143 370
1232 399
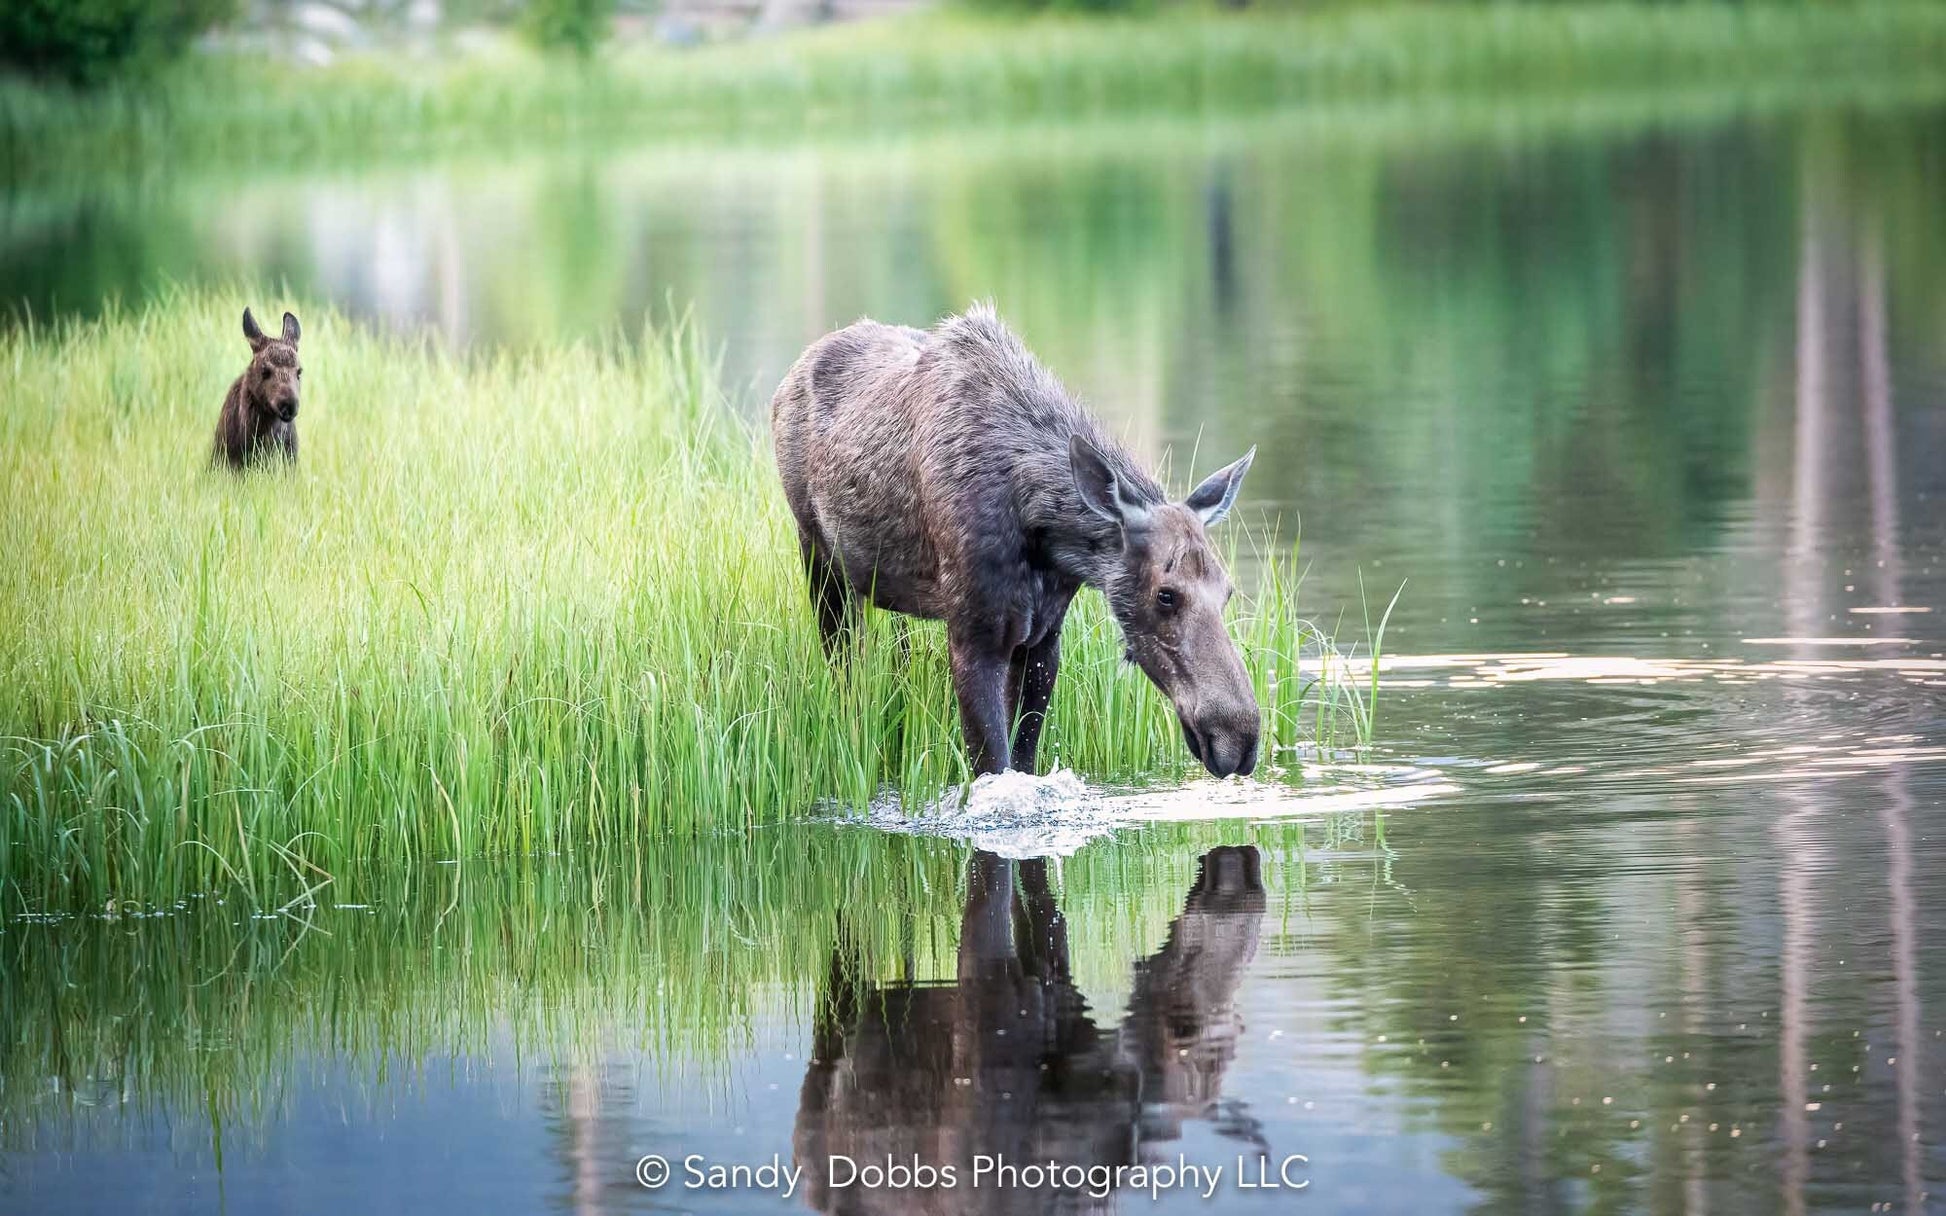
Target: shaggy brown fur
946 474
259 418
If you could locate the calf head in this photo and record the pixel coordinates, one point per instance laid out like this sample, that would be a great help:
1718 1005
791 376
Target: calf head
271 383
1167 588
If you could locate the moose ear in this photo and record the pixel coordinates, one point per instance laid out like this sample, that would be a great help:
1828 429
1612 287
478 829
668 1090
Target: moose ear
253 332
291 329
1213 499
1102 491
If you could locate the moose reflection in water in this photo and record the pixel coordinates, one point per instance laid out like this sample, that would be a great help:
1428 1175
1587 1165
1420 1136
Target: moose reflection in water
1007 1059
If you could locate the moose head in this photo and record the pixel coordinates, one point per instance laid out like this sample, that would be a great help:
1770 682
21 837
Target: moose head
1167 589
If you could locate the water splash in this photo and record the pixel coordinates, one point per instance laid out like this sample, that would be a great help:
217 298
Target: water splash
1020 815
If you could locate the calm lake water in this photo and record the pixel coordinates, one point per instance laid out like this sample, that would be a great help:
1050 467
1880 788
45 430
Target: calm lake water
1636 905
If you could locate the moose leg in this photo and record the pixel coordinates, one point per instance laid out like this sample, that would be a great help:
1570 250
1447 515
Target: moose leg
830 595
1041 666
980 681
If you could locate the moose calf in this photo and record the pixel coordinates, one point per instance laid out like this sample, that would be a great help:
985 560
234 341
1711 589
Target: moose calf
259 419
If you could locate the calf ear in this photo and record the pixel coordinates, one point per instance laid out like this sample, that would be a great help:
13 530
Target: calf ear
1101 491
1213 499
291 329
253 332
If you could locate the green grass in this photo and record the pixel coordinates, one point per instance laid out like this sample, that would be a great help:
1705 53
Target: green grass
505 605
947 68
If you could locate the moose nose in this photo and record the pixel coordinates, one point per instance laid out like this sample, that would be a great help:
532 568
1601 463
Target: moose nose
1247 755
1194 741
1224 743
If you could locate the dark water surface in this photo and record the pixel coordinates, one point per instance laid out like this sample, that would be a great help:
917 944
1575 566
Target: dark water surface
1650 422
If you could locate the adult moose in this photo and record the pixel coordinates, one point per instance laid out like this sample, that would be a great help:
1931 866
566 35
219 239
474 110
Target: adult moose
259 418
946 474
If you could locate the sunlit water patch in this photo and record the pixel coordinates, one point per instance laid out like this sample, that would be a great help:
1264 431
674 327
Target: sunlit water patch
1559 726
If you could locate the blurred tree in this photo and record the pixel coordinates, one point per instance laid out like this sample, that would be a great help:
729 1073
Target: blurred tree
575 25
88 41
1069 6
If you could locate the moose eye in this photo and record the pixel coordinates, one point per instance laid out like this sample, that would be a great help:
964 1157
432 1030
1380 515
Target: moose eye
1166 599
